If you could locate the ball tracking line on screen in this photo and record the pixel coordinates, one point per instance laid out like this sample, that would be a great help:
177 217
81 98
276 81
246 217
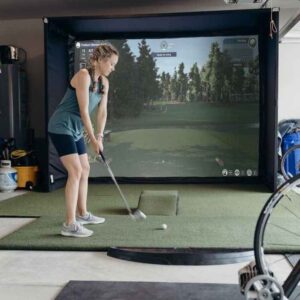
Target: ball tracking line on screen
137 214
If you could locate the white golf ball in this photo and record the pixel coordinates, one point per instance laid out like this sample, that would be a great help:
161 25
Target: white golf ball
164 226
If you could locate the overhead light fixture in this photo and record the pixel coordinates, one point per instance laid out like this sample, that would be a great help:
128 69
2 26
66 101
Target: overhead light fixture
242 1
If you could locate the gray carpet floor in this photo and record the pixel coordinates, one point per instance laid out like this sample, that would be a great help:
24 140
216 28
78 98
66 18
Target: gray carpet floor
106 290
109 290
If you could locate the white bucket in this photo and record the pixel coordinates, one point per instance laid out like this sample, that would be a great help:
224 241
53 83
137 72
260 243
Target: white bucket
8 177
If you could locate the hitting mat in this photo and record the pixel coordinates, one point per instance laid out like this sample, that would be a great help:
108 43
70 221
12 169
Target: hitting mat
162 203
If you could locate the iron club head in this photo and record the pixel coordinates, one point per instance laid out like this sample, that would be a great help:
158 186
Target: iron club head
138 215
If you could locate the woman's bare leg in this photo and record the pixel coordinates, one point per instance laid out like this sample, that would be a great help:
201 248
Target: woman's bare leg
83 185
73 166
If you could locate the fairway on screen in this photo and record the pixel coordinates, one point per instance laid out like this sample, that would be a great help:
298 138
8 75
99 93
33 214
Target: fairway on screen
181 107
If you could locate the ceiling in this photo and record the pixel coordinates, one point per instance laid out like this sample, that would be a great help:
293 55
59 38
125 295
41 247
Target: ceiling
292 35
20 9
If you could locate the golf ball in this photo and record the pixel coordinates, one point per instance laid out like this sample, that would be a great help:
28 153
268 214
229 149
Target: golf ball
164 226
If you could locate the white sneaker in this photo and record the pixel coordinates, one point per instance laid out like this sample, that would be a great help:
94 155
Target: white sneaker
89 218
75 230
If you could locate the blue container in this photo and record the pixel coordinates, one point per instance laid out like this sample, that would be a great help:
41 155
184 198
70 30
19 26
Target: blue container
292 163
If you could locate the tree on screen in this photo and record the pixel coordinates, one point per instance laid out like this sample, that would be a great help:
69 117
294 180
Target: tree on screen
175 89
224 79
238 79
252 80
147 75
165 86
123 100
195 84
182 84
213 73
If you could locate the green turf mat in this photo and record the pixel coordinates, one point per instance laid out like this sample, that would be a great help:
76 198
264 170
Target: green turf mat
43 234
217 216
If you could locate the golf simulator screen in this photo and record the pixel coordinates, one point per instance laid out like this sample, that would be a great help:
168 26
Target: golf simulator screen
181 107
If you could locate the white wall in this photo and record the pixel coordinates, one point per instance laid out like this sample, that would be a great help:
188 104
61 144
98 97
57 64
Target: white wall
289 81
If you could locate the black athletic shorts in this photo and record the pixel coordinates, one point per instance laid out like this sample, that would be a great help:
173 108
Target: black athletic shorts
65 144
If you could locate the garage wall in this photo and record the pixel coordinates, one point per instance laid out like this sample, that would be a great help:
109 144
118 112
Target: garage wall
289 81
28 34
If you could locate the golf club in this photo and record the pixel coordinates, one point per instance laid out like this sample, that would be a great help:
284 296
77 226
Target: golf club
137 214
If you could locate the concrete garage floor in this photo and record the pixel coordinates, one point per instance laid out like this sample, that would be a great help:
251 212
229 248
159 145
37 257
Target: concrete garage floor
41 275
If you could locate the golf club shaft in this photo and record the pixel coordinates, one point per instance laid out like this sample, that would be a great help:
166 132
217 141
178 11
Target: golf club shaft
116 184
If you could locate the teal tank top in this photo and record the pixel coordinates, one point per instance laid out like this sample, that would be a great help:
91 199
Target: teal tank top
66 119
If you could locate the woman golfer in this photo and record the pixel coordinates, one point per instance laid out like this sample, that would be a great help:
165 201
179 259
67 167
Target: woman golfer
87 89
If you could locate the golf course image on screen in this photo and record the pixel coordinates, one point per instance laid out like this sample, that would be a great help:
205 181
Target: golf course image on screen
181 107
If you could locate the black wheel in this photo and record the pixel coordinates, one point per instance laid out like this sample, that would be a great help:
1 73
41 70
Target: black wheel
29 185
278 231
291 154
